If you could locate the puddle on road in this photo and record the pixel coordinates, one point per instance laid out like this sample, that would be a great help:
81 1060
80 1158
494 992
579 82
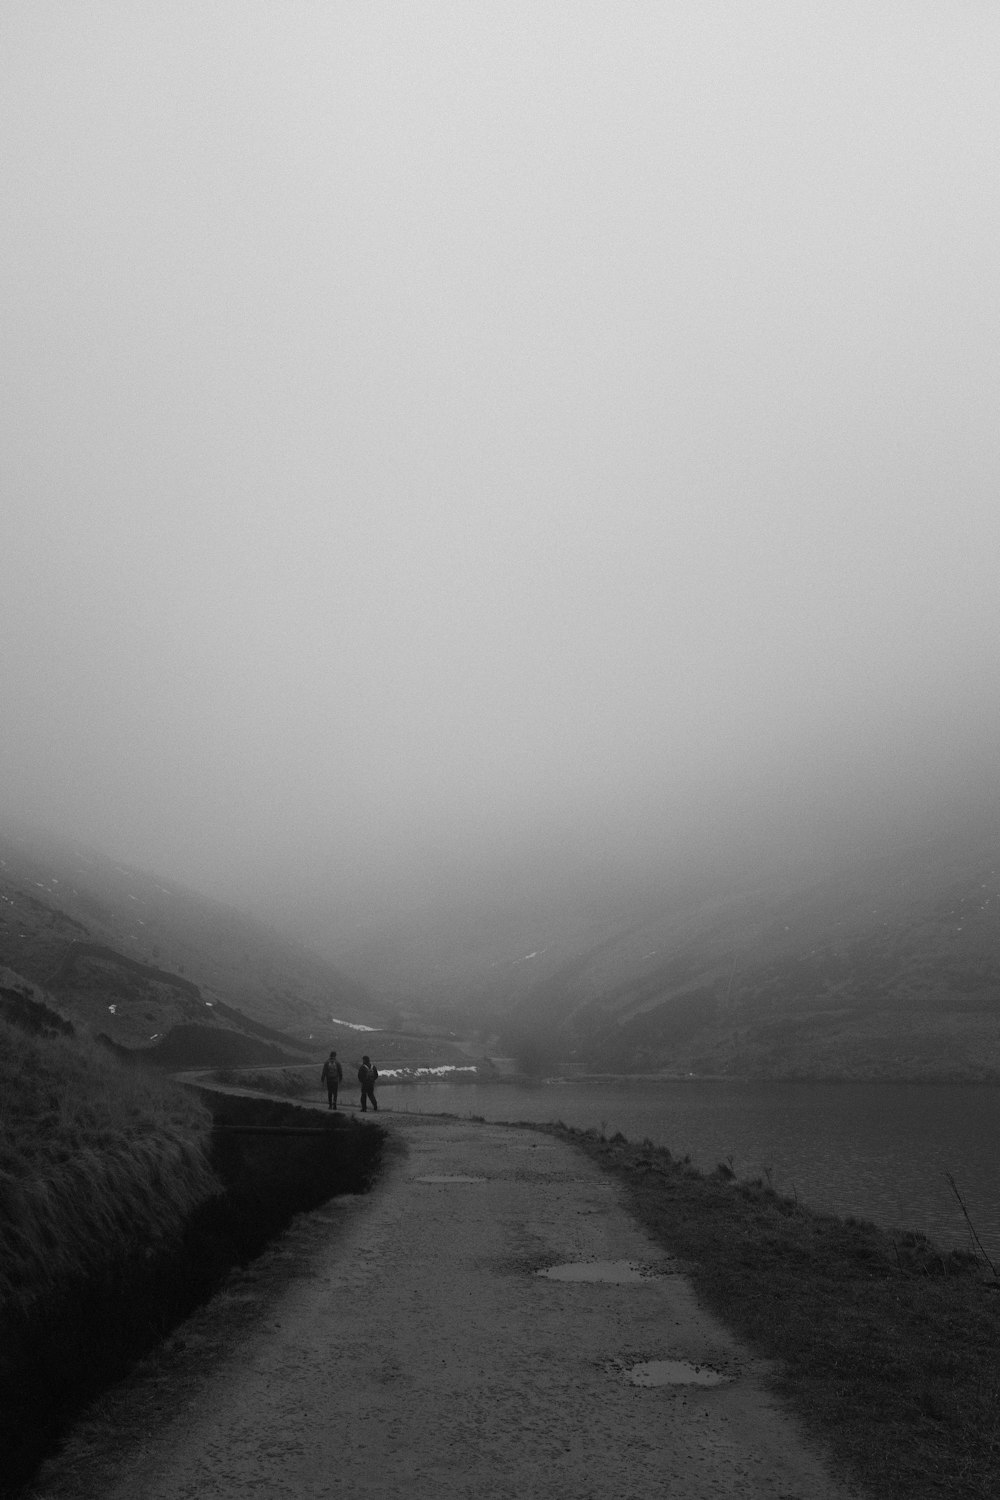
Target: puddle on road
673 1372
619 1272
446 1178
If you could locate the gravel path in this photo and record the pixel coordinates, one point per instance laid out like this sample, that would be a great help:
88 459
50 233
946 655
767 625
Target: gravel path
405 1345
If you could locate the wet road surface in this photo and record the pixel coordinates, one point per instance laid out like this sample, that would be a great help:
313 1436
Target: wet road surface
489 1322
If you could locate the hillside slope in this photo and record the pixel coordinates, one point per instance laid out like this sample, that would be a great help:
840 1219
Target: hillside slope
135 956
886 968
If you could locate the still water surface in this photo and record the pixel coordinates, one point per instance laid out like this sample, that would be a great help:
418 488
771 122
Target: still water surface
880 1151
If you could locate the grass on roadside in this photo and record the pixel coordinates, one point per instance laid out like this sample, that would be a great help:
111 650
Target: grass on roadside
886 1347
97 1162
292 1083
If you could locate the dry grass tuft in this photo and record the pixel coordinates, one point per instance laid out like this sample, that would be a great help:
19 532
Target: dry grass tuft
291 1083
97 1162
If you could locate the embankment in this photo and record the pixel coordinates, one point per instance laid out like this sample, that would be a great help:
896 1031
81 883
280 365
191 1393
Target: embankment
269 1161
886 1347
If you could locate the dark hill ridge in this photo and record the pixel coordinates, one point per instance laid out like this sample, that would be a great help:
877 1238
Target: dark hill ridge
69 965
99 984
132 955
189 1045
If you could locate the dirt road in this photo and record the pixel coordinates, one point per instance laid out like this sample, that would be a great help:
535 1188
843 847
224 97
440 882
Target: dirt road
409 1344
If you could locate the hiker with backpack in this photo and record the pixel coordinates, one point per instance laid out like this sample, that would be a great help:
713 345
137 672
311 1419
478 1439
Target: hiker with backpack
367 1074
331 1075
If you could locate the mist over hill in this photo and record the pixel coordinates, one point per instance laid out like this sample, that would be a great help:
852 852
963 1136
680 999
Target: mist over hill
874 965
510 505
847 964
140 958
890 968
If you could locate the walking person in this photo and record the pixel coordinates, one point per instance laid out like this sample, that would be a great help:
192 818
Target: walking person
367 1074
331 1075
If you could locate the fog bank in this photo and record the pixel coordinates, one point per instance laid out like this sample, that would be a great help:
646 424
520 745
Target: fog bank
445 439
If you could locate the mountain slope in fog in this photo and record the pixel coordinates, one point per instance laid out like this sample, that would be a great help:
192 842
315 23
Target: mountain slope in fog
137 957
882 968
886 968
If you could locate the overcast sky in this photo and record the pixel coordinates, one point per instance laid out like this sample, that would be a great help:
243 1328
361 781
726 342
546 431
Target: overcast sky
433 427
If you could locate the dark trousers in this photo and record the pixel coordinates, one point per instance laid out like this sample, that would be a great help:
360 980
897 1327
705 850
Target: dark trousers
331 1095
367 1092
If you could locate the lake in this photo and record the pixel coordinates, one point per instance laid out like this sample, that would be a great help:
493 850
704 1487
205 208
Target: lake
878 1151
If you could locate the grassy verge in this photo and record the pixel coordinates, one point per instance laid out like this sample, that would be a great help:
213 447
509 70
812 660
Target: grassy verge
888 1349
121 1208
293 1083
96 1160
101 1166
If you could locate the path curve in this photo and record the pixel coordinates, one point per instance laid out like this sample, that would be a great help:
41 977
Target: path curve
416 1352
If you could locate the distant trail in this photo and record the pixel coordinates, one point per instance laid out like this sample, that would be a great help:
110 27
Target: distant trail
416 1353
